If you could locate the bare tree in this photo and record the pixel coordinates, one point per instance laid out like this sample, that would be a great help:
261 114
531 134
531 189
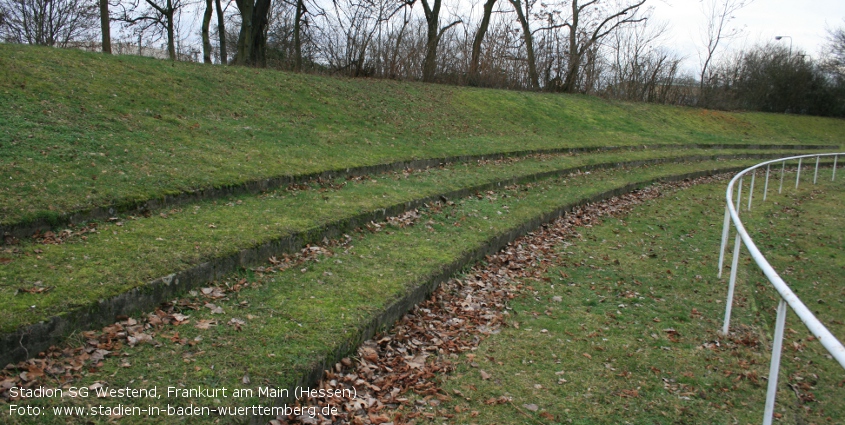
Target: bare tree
834 62
298 23
348 32
585 35
588 23
479 37
528 37
165 17
393 43
643 71
503 63
718 14
433 35
156 15
46 22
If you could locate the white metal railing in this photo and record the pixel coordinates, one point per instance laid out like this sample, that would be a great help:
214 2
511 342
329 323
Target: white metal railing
787 297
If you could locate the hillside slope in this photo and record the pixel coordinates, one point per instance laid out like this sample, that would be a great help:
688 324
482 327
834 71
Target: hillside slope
79 130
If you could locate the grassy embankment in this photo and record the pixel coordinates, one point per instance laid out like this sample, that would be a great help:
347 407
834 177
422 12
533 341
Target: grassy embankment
81 130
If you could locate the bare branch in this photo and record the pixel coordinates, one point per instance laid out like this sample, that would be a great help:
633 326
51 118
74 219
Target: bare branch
442 30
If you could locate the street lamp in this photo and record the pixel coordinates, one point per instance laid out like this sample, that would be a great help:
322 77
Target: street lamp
779 37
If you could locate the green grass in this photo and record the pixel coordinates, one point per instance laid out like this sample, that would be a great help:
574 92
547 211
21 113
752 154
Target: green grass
296 316
80 130
133 251
625 282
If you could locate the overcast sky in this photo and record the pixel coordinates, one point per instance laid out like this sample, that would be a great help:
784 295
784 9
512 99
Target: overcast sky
762 20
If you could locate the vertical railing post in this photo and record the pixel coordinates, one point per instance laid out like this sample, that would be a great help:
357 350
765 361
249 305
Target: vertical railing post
751 189
774 367
734 267
766 186
798 174
725 228
816 174
782 170
731 285
835 157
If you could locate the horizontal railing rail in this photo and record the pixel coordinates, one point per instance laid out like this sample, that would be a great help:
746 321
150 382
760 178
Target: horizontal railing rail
787 296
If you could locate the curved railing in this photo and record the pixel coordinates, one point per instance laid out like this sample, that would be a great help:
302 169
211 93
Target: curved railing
787 297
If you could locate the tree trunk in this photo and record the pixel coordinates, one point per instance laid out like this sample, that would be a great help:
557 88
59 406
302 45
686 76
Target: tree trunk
246 8
105 26
259 38
206 41
297 39
359 62
569 83
252 40
476 43
221 30
533 77
430 63
432 17
171 34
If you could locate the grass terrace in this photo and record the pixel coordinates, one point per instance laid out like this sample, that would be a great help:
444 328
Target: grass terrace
50 275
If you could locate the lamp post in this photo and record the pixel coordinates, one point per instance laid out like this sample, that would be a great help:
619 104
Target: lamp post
779 37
